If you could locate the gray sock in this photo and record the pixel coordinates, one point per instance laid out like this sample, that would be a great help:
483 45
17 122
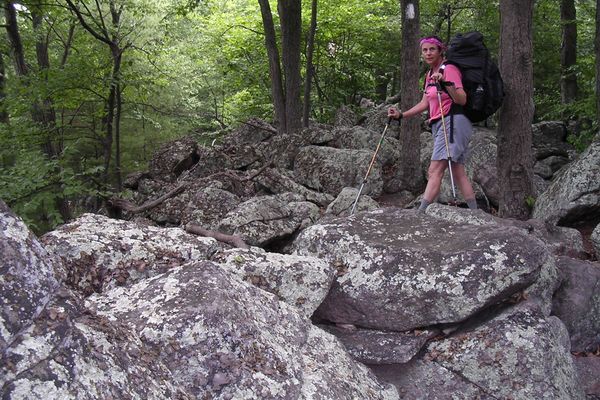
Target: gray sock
424 204
472 203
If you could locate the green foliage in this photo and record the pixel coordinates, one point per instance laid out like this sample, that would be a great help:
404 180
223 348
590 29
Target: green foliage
530 202
201 68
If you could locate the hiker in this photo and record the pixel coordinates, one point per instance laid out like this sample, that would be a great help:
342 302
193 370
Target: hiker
457 124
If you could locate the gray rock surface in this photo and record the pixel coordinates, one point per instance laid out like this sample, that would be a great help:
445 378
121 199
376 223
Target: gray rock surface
343 203
577 303
588 369
262 220
379 347
399 270
300 281
573 199
100 253
226 339
520 355
329 170
595 239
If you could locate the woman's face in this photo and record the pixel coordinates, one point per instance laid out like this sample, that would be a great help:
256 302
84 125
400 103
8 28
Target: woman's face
431 53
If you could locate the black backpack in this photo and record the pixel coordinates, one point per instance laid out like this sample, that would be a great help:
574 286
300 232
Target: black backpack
480 75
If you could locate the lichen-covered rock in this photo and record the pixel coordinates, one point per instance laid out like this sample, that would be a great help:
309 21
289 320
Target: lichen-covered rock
68 353
595 238
380 347
225 339
262 220
173 158
344 116
577 302
399 270
208 206
519 355
588 369
100 252
279 181
573 198
388 153
300 281
342 205
330 170
331 374
253 131
53 348
422 380
28 276
558 239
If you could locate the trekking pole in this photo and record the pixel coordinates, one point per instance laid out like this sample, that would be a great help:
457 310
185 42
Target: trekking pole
389 121
439 96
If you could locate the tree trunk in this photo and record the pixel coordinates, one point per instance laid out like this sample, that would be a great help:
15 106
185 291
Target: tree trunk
310 49
14 37
568 52
290 16
514 160
274 65
109 110
411 94
597 52
3 113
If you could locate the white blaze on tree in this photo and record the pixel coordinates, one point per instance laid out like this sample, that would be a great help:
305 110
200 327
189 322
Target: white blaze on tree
410 11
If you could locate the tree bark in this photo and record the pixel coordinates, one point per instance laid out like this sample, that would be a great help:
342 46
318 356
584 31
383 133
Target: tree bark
597 52
4 119
274 65
290 16
14 37
514 160
410 95
568 51
310 49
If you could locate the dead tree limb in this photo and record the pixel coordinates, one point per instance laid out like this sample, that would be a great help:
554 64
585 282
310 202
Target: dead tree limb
233 240
132 208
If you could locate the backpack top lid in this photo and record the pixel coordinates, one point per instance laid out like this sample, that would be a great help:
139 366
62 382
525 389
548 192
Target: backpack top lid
467 51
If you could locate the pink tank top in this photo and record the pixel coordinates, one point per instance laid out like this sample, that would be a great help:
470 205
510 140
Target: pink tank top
451 74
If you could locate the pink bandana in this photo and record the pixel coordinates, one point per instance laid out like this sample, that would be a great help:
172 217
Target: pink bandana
434 41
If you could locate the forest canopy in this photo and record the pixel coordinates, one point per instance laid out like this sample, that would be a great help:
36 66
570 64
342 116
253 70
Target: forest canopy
90 89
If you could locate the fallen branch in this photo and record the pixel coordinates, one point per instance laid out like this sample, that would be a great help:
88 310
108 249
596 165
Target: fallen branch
129 206
235 241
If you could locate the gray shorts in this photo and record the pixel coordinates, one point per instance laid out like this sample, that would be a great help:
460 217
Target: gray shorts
459 150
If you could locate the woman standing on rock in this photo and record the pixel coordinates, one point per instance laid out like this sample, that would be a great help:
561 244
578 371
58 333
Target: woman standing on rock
457 125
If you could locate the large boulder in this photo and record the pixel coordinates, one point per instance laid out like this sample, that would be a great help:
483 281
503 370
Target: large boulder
173 158
595 239
329 170
52 347
29 275
577 303
263 220
225 339
100 253
343 204
277 181
300 281
388 155
573 199
521 354
207 206
399 270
